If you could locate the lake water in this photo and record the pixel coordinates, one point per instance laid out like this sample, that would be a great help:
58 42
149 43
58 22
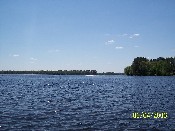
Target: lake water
47 102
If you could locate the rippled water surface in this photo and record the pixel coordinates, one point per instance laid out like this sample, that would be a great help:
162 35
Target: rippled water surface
46 102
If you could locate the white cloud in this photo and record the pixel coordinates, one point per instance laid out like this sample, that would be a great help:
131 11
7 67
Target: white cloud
129 35
15 55
136 46
33 59
134 35
123 35
119 47
109 42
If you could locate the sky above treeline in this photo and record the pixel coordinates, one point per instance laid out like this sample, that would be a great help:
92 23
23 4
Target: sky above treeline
102 35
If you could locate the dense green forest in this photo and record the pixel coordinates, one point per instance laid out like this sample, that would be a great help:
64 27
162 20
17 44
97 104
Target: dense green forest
142 66
61 72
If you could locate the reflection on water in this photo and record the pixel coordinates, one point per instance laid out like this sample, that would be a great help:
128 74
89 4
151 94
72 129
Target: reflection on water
31 102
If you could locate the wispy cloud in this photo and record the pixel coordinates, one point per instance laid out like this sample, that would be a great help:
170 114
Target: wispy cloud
15 55
134 35
129 35
33 59
118 47
109 42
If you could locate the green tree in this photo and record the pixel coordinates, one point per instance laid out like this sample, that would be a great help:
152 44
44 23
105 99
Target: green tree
138 66
160 66
128 70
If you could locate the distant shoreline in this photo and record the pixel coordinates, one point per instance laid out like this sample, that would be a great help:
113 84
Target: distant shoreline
60 72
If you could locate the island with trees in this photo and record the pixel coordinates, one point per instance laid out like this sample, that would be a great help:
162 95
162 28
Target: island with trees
142 66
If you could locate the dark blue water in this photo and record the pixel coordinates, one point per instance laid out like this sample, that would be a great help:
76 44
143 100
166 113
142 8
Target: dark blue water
44 102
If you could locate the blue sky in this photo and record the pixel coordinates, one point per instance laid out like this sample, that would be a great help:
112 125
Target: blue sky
105 35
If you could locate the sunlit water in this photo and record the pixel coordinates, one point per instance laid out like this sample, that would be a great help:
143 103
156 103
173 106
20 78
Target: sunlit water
46 102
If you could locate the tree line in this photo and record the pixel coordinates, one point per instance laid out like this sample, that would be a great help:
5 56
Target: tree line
61 72
50 72
142 66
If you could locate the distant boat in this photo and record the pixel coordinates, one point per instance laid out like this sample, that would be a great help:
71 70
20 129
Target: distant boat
89 75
